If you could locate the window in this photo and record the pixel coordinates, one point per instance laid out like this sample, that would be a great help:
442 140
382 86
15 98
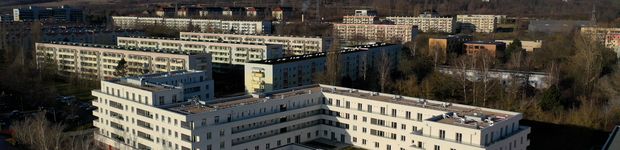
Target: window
208 135
403 126
377 144
393 112
359 106
408 114
459 137
355 139
442 134
437 147
383 110
419 117
369 108
348 104
364 141
403 138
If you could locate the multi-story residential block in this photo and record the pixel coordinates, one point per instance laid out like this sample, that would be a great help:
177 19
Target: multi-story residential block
281 73
281 13
477 23
529 46
62 13
375 32
234 53
99 61
495 49
447 45
264 121
292 45
609 37
427 23
358 19
204 25
21 33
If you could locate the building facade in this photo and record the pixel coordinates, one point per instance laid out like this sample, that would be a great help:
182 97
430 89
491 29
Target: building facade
62 13
447 45
538 80
609 37
427 23
495 49
529 46
281 73
365 119
222 52
292 45
358 19
374 32
477 23
204 25
99 61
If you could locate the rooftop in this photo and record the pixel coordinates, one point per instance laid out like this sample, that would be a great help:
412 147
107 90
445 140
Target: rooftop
474 117
192 40
485 42
241 34
143 85
302 57
114 47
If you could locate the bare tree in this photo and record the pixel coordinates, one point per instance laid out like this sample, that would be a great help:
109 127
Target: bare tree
384 68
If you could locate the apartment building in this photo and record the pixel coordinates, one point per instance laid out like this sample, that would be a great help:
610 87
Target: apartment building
529 46
374 32
292 45
62 13
495 49
609 37
99 61
358 19
427 23
226 26
281 73
232 53
477 23
263 121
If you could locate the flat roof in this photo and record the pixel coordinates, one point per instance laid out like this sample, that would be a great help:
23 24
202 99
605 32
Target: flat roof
295 58
125 48
190 40
153 87
485 42
475 117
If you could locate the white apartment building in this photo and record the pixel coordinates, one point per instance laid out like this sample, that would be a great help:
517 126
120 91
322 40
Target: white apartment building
226 26
374 32
281 73
477 23
292 45
264 121
99 61
196 84
427 23
358 19
234 53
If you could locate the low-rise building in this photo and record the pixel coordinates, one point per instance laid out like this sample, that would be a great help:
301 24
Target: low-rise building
358 19
281 73
553 26
495 49
365 12
538 80
447 45
427 23
264 121
374 32
204 25
477 23
233 53
529 46
99 61
292 45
